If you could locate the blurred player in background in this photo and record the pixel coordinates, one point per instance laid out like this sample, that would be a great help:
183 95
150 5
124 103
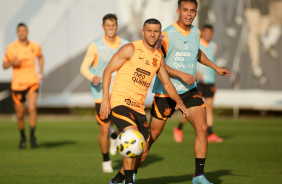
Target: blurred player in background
137 63
205 84
95 61
21 55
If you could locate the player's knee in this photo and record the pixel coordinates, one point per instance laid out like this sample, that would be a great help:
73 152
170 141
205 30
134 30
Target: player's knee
202 129
105 131
32 109
20 115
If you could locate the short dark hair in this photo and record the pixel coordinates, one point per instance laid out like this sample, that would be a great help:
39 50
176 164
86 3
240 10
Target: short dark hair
109 16
208 26
193 1
152 21
21 24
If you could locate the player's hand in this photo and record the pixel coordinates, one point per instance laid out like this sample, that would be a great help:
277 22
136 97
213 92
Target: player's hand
41 75
16 62
222 71
187 78
105 108
183 108
96 80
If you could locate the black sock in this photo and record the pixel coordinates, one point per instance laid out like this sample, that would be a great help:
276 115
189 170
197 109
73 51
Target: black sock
135 171
180 126
200 165
118 178
32 130
114 135
106 157
210 130
128 176
22 134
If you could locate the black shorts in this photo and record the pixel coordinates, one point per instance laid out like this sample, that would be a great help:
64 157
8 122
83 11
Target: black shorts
99 120
19 97
164 107
206 90
123 117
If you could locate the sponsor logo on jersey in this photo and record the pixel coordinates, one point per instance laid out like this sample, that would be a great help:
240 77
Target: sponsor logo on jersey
183 54
139 77
131 103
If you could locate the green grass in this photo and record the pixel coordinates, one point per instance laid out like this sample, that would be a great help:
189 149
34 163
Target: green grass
69 153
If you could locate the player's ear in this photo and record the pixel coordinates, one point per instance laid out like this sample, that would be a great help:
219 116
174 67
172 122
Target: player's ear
177 11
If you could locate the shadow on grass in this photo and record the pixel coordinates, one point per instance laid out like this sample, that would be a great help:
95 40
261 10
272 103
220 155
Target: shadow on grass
214 177
55 144
150 159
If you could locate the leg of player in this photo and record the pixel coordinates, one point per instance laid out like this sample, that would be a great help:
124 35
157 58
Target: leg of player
32 116
104 141
127 171
20 109
177 131
212 137
113 140
197 119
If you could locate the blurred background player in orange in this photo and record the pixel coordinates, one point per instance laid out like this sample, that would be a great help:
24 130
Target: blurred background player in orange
95 61
205 85
21 55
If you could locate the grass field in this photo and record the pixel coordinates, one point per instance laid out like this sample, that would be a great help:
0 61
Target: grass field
68 153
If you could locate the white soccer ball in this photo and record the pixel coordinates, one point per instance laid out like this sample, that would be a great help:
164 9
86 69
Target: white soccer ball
130 143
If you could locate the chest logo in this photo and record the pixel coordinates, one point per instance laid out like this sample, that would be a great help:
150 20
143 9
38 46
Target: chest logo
155 60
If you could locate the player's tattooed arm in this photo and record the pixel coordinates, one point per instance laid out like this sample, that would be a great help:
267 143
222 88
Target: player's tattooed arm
120 57
202 58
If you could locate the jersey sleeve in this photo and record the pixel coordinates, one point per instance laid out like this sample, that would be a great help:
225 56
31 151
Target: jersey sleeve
89 59
8 55
39 52
163 44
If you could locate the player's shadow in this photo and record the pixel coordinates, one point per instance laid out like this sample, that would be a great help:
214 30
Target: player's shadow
212 176
150 159
225 137
55 144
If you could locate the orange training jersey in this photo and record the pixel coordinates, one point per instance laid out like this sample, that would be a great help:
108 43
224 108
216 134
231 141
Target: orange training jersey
133 79
25 75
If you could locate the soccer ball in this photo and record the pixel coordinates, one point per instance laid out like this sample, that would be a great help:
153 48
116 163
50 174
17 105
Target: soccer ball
130 143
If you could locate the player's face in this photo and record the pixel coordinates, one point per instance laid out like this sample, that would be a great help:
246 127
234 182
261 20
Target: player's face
187 12
151 34
22 33
110 27
207 34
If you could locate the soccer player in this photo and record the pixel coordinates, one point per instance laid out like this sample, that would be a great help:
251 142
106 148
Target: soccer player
137 63
95 61
21 55
205 84
180 47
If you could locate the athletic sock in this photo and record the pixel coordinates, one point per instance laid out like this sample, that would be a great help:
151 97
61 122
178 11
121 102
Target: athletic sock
22 134
106 157
210 130
200 165
128 176
118 178
180 126
113 135
32 131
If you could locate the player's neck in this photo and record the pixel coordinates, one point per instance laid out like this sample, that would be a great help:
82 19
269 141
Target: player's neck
148 47
24 42
111 39
183 26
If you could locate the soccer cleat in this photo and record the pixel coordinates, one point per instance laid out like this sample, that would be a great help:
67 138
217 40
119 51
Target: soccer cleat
113 146
107 167
214 138
201 179
33 142
22 144
178 135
